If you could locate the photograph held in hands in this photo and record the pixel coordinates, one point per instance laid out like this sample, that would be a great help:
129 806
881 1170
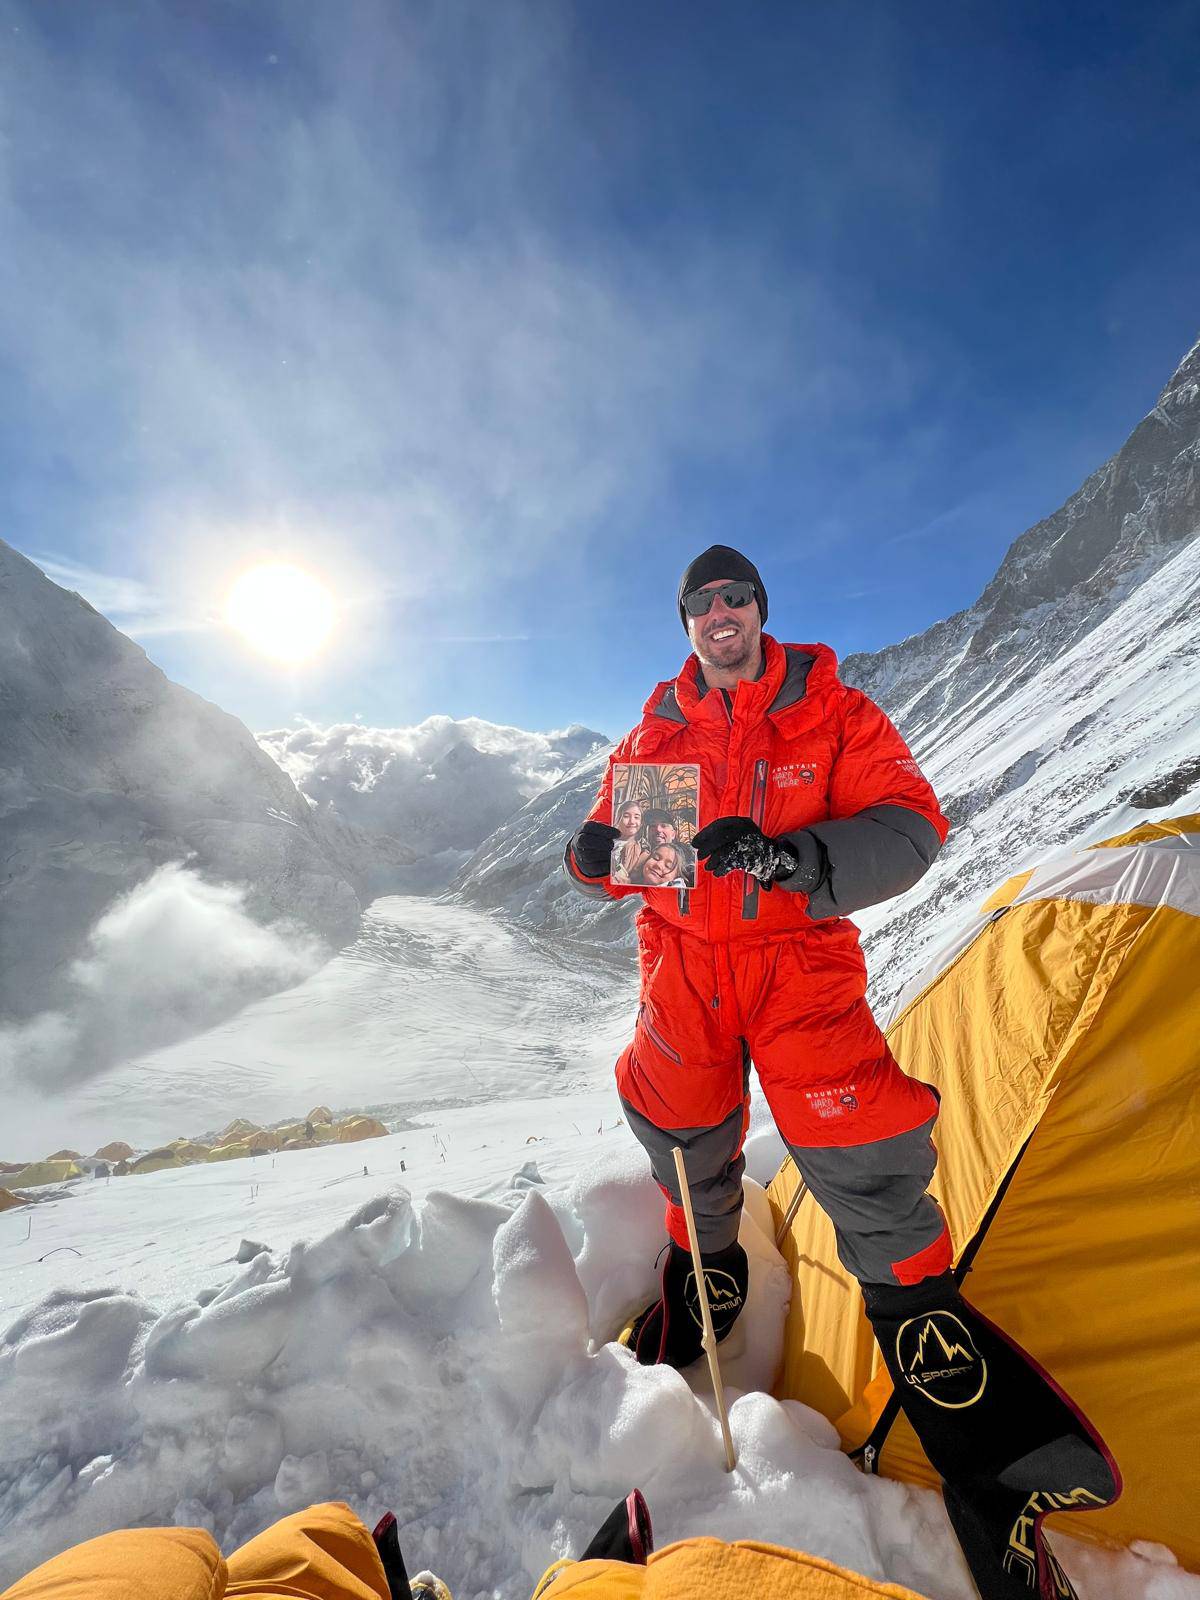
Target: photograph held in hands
656 809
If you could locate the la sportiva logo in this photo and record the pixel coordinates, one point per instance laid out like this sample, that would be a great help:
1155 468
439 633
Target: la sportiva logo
938 1358
724 1296
1021 1557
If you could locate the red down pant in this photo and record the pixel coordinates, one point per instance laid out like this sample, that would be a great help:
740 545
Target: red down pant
857 1127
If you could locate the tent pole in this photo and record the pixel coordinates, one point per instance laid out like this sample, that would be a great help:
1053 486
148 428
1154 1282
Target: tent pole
709 1340
789 1215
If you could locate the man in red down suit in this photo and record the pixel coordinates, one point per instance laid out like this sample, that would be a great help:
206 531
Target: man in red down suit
813 808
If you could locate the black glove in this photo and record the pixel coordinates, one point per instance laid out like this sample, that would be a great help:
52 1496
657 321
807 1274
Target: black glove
734 844
592 848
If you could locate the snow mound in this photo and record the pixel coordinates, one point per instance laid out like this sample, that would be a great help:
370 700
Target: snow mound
445 1359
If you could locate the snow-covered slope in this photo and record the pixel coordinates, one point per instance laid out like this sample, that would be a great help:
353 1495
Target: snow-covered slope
1102 738
432 1005
108 771
1062 706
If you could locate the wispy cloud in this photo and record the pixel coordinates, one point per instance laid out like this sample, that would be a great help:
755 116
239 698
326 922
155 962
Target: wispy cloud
327 310
128 603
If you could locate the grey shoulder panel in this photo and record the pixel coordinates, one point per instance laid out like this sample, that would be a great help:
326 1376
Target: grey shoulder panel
874 855
669 708
795 682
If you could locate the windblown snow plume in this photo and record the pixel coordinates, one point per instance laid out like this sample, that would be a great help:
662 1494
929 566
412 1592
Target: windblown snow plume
173 956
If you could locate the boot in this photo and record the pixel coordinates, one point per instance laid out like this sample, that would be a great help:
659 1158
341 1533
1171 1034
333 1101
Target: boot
670 1329
1007 1442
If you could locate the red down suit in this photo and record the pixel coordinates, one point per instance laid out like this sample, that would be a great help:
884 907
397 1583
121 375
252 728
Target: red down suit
732 973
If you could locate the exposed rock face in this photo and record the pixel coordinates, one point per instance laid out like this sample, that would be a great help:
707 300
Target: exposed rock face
519 868
1059 581
1063 706
109 771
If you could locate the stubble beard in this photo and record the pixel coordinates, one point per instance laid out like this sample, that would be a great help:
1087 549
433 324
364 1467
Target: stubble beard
742 648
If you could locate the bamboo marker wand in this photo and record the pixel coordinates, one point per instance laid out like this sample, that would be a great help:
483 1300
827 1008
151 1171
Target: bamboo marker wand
709 1339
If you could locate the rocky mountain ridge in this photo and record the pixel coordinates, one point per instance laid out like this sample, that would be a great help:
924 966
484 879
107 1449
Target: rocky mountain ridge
109 771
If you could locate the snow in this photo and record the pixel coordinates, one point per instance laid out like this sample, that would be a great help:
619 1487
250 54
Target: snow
432 1005
429 1342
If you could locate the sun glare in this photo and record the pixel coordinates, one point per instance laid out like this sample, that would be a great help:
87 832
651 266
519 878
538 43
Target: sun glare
283 611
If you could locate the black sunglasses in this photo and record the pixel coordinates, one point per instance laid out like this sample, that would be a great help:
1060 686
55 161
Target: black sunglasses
735 596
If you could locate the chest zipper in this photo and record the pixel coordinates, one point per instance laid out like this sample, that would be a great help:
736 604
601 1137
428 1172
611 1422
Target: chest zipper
758 809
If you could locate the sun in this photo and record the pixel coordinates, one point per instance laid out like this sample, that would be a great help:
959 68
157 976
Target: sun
283 611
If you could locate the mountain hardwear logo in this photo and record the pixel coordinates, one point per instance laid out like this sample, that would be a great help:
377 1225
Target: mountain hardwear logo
724 1296
938 1358
793 775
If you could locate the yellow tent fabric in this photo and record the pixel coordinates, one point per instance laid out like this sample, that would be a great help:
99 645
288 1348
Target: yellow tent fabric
189 1150
156 1160
229 1152
9 1201
712 1568
40 1172
237 1129
1060 1028
355 1128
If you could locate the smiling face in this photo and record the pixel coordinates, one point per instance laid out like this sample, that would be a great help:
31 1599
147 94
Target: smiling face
662 833
661 865
629 820
725 641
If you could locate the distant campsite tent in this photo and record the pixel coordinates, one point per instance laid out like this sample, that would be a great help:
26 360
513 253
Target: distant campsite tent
355 1128
156 1161
43 1172
118 1150
1061 1030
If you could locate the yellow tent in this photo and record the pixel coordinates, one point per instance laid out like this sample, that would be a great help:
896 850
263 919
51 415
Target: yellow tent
237 1129
266 1139
234 1151
355 1128
9 1202
40 1172
156 1160
1061 1028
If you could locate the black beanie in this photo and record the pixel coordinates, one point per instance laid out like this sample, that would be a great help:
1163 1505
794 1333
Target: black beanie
719 561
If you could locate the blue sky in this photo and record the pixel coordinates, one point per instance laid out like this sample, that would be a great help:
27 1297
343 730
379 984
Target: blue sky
495 314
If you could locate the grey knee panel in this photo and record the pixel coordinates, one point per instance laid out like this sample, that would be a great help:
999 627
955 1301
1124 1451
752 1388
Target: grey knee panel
714 1163
875 1196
